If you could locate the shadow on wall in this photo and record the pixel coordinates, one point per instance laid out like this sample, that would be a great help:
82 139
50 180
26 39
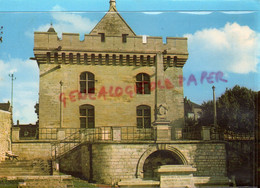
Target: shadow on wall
157 159
240 163
175 125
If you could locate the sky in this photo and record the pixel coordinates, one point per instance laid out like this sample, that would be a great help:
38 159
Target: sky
223 37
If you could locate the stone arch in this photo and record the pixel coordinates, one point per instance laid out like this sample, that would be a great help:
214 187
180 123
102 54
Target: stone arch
151 150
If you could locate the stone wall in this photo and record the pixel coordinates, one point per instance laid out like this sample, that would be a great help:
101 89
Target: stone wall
5 131
109 110
114 162
32 150
77 162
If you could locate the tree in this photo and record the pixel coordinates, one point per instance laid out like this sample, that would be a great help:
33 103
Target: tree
235 110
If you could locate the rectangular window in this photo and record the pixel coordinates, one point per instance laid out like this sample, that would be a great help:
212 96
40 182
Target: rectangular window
124 38
103 38
143 118
87 116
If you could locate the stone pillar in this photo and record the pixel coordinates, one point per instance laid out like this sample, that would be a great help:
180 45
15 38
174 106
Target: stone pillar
163 130
61 134
15 134
116 133
161 124
177 133
205 133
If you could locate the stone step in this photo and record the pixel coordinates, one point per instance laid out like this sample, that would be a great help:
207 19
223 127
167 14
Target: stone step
61 181
24 167
46 183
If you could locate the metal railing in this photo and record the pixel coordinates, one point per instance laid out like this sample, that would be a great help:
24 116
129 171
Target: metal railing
134 133
228 135
191 133
48 133
100 134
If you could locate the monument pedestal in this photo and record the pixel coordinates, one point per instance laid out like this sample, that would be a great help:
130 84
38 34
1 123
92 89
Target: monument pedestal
176 176
163 130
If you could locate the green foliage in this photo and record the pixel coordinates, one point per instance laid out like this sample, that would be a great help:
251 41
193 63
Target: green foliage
235 110
190 122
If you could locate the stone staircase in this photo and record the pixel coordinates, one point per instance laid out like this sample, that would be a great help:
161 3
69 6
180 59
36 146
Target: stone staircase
47 182
31 174
24 168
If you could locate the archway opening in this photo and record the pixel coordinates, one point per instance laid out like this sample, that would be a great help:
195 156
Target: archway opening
157 159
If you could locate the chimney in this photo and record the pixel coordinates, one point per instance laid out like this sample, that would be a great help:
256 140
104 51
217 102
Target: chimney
112 4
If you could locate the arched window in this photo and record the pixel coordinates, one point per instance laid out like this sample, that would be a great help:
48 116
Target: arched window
143 116
87 116
143 85
87 82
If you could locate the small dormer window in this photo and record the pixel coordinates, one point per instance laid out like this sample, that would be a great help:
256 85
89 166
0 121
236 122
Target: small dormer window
102 35
124 38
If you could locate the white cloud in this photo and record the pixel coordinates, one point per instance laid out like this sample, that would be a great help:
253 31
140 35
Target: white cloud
25 87
233 48
196 12
66 22
153 13
238 12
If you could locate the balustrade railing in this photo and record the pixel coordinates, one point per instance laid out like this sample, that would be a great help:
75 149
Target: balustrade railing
100 134
228 135
48 133
191 133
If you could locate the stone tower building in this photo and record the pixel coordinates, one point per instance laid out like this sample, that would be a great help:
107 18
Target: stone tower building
112 73
111 109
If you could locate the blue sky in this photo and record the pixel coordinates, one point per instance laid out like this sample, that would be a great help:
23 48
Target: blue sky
222 36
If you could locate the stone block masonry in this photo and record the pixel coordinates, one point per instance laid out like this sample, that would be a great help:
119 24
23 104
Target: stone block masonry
110 163
33 149
5 131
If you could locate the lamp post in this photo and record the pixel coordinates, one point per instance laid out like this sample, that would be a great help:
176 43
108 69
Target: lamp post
215 107
12 88
12 93
61 108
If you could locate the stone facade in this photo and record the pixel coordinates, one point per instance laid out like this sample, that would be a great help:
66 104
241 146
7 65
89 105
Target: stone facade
115 55
5 133
112 163
110 152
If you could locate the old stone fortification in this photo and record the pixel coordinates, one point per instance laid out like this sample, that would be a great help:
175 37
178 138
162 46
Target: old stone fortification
115 55
114 162
117 148
5 130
